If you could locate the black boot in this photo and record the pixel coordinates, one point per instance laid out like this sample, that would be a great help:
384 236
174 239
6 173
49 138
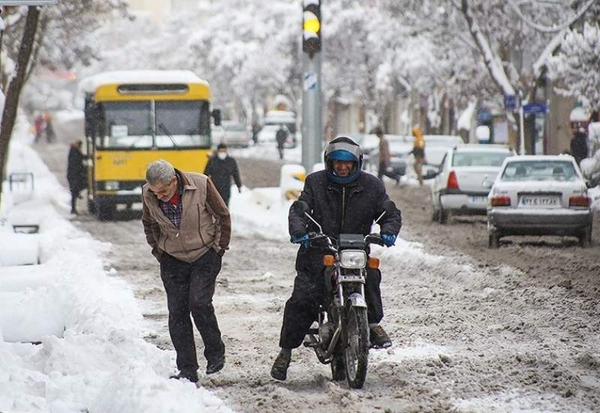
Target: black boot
215 365
379 338
281 364
193 377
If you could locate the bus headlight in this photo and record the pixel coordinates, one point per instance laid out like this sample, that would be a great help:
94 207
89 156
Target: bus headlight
111 185
353 259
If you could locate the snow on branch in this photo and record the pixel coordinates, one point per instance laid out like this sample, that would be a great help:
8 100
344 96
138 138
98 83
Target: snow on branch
492 62
548 51
552 29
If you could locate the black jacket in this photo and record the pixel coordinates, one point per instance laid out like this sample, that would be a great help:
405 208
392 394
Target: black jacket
221 172
579 148
342 209
76 172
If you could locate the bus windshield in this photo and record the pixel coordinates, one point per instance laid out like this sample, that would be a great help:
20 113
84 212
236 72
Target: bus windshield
160 124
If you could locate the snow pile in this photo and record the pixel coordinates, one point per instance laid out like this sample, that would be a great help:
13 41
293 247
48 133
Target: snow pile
90 354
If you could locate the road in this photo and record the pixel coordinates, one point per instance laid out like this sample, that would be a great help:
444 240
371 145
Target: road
517 328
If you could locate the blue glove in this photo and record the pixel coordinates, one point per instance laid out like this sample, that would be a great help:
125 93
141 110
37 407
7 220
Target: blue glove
388 239
301 240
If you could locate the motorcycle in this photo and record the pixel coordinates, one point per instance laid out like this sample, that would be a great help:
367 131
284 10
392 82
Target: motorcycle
342 336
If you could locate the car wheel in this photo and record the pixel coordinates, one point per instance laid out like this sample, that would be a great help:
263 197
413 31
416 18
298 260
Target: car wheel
585 237
493 240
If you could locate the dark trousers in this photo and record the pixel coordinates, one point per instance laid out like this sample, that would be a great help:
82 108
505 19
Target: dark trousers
302 309
74 196
382 171
190 288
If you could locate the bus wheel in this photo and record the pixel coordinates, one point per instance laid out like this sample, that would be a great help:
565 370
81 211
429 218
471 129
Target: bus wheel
106 211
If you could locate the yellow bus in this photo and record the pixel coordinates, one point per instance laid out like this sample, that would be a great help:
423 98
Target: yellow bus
133 118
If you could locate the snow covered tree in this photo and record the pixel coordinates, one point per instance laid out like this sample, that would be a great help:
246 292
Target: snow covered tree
54 34
577 64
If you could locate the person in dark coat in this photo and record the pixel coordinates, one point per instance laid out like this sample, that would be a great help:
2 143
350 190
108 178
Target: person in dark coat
281 136
76 173
579 145
343 199
221 168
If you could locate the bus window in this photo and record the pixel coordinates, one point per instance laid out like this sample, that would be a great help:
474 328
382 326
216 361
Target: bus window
127 125
182 124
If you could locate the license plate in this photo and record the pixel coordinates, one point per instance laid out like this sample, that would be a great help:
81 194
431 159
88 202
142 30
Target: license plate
478 199
540 201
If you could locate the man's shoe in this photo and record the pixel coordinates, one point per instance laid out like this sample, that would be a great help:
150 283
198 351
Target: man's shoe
215 365
280 367
379 338
193 377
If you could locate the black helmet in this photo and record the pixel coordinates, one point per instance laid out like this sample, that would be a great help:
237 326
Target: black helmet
343 148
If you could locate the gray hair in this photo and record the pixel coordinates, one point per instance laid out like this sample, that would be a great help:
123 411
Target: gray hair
160 171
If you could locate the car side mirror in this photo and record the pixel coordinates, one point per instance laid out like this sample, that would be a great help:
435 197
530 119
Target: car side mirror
589 184
216 114
431 174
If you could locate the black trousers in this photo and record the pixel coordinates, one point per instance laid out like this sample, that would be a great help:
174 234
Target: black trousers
302 309
382 171
190 288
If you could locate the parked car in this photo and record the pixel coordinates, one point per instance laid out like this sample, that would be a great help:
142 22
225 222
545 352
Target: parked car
232 134
436 147
400 146
464 178
539 195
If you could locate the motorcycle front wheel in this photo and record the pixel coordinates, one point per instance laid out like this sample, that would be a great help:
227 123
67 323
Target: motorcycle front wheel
357 347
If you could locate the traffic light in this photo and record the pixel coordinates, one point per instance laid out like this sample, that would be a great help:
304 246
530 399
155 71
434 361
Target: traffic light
311 27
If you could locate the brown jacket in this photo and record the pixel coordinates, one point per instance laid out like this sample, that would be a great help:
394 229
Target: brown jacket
205 221
384 151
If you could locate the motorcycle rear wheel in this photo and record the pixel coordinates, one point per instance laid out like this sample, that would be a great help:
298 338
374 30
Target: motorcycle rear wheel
356 353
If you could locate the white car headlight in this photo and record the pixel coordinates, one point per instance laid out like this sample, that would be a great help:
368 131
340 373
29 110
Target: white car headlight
353 259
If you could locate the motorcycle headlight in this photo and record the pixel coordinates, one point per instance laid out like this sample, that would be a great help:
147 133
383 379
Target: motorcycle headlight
353 259
111 185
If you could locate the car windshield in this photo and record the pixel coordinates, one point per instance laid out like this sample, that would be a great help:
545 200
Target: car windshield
164 124
479 158
539 171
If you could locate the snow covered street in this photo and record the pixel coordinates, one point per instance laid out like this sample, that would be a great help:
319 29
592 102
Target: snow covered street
472 332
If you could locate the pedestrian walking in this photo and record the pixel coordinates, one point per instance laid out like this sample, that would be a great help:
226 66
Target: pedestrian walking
579 145
188 227
39 127
281 136
384 157
221 169
255 130
50 134
76 173
418 151
594 133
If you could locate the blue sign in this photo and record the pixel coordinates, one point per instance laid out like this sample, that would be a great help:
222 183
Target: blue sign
511 102
484 115
533 108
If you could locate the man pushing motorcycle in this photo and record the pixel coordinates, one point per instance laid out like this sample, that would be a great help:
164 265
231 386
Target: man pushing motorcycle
345 200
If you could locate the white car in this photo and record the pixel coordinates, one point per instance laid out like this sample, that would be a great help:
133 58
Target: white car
539 195
436 147
464 178
232 134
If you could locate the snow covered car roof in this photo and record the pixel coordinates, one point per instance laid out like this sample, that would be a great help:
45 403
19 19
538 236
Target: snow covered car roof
90 84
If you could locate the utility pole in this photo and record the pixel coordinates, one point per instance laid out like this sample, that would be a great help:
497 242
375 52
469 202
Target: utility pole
312 140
